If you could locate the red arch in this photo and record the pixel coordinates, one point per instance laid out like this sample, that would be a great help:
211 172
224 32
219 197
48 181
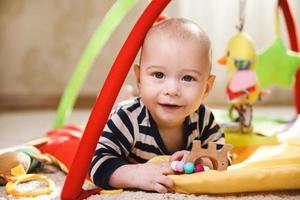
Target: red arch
73 185
294 38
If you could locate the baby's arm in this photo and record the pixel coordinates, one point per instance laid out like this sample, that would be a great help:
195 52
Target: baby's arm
109 156
115 172
147 176
110 169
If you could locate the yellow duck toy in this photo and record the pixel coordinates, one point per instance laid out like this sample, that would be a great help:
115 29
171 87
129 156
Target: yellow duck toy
242 88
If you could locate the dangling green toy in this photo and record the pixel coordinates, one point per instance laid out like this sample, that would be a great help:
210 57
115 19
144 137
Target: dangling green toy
276 64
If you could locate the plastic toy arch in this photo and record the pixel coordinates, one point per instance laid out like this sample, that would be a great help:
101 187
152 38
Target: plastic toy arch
73 185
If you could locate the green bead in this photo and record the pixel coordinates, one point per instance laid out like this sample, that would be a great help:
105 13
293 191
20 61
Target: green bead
188 168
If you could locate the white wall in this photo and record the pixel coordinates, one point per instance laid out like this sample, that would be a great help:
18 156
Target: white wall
41 41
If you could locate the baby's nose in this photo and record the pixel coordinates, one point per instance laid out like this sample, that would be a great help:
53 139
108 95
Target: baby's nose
172 88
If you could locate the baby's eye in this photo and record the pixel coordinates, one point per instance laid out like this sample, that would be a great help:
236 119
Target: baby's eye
188 78
158 75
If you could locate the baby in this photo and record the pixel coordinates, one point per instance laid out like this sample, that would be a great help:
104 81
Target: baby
173 78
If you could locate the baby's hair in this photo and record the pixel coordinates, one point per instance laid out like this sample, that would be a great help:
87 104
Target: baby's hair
181 29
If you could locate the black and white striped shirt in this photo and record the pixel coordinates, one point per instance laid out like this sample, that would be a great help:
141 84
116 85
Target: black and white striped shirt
131 136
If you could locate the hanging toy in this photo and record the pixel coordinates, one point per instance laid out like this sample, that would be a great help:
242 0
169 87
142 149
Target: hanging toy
242 88
194 162
277 65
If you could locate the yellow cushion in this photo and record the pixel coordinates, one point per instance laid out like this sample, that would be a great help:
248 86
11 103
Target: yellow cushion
274 167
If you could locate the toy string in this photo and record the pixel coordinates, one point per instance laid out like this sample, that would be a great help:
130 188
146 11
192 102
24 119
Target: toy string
242 15
276 25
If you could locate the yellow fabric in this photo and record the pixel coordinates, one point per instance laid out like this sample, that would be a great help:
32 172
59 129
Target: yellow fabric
240 139
18 170
273 167
118 191
11 187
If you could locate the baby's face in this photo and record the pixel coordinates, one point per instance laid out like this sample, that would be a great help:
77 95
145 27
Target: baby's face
173 78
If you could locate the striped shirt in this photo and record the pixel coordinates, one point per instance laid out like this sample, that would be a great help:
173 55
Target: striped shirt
131 136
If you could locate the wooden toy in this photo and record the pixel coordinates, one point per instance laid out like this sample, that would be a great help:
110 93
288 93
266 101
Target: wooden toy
218 157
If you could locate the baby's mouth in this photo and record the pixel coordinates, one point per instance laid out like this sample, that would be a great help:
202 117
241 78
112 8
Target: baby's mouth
169 106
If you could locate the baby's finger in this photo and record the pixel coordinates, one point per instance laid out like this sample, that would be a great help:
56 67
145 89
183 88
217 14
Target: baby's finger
177 155
166 169
159 188
166 181
185 156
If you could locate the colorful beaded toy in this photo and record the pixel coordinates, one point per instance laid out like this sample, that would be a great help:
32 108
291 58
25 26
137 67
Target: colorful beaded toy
188 168
218 158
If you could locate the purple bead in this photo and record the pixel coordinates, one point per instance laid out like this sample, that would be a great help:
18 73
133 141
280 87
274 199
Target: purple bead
180 166
199 168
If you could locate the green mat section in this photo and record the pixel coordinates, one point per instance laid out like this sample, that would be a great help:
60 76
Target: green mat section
260 123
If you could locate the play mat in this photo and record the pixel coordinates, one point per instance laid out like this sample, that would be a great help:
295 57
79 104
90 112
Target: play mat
261 162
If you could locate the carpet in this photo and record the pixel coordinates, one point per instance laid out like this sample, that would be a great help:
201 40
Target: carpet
58 177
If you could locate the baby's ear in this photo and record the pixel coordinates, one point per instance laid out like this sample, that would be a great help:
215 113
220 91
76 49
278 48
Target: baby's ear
209 84
137 70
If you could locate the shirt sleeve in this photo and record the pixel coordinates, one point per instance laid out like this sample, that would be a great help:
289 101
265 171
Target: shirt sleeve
112 149
211 131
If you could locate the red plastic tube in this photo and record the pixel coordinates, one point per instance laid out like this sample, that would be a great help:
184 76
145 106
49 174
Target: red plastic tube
78 171
294 38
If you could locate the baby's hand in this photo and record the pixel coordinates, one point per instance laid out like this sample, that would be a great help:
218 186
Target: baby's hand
152 177
180 156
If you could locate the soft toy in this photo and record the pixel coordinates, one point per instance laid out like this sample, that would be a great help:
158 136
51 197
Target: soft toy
57 147
9 160
28 156
277 65
242 89
18 176
15 166
60 145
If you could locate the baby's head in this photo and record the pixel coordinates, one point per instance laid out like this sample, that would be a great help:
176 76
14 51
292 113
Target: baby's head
174 72
178 35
